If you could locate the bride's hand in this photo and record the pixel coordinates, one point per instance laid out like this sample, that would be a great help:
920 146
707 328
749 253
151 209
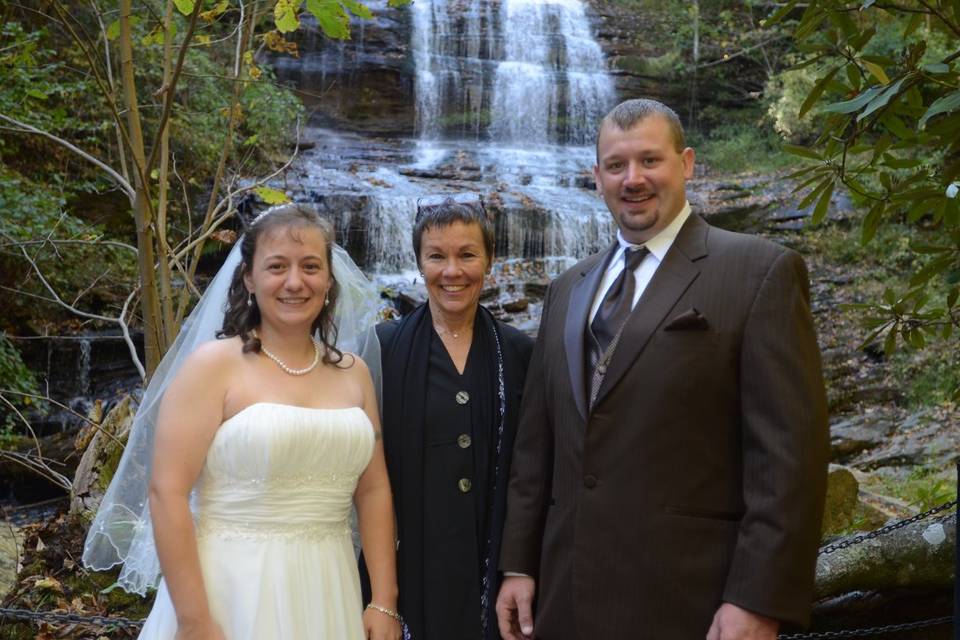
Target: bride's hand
380 626
205 629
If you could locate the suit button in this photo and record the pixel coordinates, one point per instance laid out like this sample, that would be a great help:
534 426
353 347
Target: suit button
465 485
590 481
464 441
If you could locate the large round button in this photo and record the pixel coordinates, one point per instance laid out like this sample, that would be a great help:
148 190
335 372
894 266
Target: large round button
465 485
590 481
464 441
462 397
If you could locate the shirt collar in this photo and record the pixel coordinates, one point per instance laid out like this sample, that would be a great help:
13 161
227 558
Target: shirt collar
659 244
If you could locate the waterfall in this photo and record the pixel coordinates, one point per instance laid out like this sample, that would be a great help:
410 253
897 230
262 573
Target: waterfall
545 83
83 367
507 98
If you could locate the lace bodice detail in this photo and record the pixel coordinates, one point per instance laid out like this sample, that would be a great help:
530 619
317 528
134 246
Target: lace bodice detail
277 470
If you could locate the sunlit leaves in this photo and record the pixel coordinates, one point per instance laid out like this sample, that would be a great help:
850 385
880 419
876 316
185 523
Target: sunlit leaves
271 196
185 7
285 15
332 17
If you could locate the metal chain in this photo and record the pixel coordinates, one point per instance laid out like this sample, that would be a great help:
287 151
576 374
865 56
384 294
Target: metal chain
849 542
868 631
69 618
120 623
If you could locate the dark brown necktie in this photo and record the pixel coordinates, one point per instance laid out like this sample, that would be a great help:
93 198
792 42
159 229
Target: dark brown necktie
618 302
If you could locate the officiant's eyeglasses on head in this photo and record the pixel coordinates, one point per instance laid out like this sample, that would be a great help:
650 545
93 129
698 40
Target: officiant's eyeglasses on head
442 210
433 205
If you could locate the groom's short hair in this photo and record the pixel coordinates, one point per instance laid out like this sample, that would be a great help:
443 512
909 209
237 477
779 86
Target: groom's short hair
629 112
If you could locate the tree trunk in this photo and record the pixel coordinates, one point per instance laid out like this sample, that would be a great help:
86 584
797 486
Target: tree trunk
918 555
155 343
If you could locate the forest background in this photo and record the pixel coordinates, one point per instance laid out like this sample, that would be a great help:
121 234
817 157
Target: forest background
132 133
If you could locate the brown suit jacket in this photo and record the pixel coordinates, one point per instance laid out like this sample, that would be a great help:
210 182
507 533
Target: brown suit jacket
699 476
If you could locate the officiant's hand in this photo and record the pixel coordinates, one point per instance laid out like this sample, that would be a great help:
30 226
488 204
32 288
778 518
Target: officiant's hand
380 626
204 629
733 623
515 607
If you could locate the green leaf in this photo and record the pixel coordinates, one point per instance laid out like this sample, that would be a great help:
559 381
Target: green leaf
810 197
942 105
780 14
849 106
358 9
36 93
185 6
900 163
810 22
859 41
816 92
877 72
951 213
271 196
915 21
803 152
823 205
882 99
871 222
113 30
398 3
332 18
952 297
931 269
853 76
890 343
895 126
285 15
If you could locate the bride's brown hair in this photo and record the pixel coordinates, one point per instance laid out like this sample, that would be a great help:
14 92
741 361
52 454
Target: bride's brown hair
240 319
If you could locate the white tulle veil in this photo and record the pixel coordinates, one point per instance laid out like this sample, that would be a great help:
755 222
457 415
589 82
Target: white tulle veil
122 532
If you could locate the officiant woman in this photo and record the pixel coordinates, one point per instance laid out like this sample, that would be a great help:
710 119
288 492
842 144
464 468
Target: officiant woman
452 382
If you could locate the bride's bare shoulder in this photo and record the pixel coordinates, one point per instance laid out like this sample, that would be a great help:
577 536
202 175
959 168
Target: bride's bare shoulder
216 354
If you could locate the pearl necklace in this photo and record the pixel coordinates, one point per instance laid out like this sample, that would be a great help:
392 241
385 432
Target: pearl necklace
286 368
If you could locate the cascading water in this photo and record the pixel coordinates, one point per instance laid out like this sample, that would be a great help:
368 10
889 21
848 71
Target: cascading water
507 97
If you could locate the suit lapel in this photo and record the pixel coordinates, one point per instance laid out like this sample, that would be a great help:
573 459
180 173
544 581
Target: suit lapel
673 277
581 299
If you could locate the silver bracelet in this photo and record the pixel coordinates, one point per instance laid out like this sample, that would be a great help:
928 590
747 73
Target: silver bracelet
389 612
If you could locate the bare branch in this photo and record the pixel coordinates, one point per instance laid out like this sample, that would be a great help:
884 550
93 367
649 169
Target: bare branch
85 314
98 242
67 408
26 128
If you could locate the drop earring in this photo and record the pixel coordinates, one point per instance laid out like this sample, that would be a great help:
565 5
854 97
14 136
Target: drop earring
249 298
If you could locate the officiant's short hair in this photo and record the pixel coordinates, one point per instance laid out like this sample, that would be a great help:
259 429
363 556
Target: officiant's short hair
442 211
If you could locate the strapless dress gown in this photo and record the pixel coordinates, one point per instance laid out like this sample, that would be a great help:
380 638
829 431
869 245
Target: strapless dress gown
273 532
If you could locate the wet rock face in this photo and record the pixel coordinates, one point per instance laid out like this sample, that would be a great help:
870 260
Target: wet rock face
364 84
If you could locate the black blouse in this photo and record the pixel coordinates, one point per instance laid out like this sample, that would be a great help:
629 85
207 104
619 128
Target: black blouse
455 495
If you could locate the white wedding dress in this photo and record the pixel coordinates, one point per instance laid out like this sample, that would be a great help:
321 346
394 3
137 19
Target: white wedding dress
273 534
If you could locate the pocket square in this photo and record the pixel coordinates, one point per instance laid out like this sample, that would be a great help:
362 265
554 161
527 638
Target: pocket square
689 320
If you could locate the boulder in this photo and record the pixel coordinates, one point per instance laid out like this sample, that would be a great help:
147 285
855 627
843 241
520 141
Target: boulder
853 435
841 502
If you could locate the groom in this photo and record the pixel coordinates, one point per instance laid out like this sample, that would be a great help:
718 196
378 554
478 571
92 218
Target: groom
670 464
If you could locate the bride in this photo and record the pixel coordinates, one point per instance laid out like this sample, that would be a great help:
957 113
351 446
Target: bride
261 439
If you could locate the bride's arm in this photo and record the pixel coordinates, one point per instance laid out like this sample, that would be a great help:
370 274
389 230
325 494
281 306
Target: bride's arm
375 513
191 411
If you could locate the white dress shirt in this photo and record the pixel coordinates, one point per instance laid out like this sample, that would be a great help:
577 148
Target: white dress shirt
658 246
